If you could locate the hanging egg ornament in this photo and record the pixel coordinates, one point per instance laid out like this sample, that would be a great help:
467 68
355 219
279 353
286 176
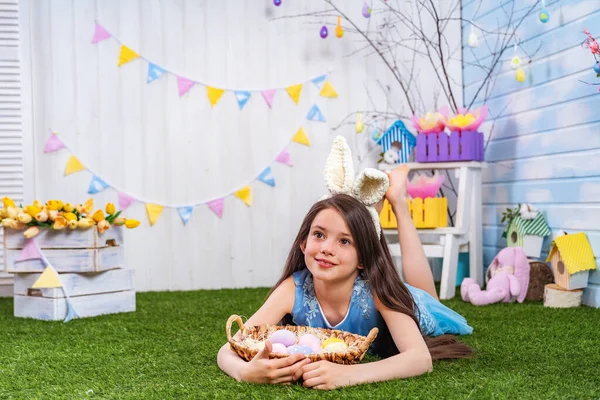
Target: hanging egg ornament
376 135
597 67
520 75
277 2
473 39
324 32
544 16
366 10
359 124
515 62
339 31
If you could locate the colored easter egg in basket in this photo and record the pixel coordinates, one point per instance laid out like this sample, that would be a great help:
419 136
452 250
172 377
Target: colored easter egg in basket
337 347
279 348
331 340
297 349
311 341
283 336
324 32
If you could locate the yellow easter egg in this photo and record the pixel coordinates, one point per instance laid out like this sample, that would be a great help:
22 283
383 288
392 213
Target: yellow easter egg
520 75
332 340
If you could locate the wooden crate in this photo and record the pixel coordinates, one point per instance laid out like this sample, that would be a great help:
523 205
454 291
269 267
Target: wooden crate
441 147
78 250
430 213
91 295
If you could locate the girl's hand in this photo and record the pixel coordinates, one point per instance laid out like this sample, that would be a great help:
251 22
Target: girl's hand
261 369
325 375
396 193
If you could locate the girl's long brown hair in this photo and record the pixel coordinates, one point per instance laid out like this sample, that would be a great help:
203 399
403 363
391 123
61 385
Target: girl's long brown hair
379 270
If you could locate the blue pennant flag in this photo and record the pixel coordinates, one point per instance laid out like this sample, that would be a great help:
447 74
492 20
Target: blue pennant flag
154 72
319 81
242 97
315 114
185 213
97 185
267 177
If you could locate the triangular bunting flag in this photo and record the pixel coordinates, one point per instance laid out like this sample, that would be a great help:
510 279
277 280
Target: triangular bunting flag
70 310
127 55
269 95
245 195
96 185
53 144
100 34
214 94
267 177
185 213
284 157
154 72
48 279
153 211
30 251
300 137
73 165
315 114
184 85
328 91
242 97
318 81
125 200
217 206
294 92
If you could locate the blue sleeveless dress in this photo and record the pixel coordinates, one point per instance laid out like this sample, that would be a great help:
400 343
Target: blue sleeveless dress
434 318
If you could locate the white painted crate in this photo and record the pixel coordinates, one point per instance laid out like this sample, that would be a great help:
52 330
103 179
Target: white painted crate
78 250
91 295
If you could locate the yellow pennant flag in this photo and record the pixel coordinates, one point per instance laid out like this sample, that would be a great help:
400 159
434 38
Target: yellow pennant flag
73 165
48 279
300 137
154 211
245 195
294 92
328 91
214 94
127 55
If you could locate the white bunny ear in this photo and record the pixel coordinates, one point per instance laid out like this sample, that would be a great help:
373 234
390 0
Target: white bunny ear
370 186
339 171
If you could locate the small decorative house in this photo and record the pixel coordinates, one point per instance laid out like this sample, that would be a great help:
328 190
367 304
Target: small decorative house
400 139
527 233
572 259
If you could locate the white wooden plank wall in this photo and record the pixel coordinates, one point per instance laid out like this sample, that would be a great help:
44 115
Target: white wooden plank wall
145 140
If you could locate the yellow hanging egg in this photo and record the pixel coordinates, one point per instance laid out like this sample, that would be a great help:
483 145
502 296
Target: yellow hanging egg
520 75
359 124
339 31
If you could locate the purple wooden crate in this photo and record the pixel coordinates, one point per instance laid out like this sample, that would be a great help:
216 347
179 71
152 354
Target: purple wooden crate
465 146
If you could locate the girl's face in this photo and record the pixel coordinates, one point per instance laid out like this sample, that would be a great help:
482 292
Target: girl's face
330 252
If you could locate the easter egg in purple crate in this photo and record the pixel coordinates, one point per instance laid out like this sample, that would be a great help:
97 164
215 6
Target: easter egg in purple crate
298 349
283 336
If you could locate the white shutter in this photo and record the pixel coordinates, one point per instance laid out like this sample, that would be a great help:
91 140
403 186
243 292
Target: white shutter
11 133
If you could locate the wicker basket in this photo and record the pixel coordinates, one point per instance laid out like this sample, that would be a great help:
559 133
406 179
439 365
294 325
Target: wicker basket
357 344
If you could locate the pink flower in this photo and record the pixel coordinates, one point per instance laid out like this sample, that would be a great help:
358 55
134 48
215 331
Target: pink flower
430 122
422 186
466 120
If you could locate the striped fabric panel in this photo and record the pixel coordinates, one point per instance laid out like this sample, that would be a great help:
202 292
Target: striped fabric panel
576 252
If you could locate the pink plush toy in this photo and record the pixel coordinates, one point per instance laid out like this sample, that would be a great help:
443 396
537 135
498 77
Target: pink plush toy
507 280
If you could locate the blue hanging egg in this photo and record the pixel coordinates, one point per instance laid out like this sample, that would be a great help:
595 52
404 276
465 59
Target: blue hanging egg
277 2
324 32
544 15
597 67
375 135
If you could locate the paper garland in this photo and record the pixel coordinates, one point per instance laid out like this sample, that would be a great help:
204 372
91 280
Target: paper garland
214 93
49 277
155 209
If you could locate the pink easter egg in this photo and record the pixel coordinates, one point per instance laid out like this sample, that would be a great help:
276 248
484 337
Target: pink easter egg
311 341
279 348
283 336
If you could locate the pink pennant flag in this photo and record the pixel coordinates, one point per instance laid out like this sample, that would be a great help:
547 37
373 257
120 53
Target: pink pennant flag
30 252
285 158
184 85
53 144
217 206
100 34
125 200
269 95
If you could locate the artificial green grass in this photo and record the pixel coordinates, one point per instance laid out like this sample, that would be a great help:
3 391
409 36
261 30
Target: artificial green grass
167 349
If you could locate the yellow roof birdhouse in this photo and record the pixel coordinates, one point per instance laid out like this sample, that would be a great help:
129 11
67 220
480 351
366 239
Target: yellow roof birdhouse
572 259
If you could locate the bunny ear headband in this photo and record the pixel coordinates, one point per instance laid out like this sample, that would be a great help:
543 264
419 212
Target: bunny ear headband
369 187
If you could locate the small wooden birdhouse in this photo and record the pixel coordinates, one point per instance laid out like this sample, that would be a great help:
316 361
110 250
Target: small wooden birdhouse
527 234
399 138
572 259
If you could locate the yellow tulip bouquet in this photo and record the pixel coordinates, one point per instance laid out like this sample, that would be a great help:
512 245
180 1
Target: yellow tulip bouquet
58 215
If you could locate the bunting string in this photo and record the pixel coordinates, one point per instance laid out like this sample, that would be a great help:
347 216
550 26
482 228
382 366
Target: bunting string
213 92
